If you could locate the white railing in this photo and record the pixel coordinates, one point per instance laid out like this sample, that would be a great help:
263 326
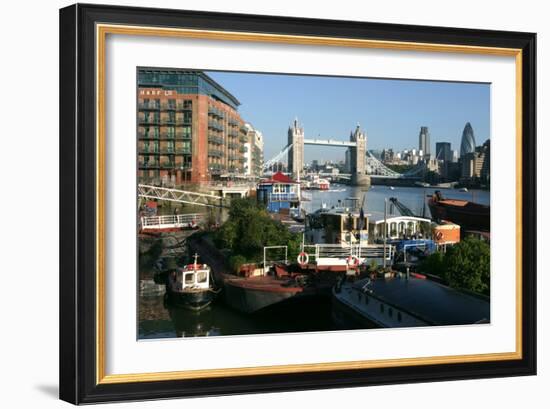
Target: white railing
283 197
190 220
363 252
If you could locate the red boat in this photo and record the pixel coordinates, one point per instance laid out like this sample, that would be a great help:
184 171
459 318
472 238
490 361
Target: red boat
469 215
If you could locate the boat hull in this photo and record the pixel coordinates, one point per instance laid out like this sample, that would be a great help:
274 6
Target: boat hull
246 298
191 300
469 215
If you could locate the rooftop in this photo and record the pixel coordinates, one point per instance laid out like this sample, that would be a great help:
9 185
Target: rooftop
432 302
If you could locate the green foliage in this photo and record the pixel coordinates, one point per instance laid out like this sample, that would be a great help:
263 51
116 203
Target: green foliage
434 264
235 262
468 266
465 266
400 168
250 228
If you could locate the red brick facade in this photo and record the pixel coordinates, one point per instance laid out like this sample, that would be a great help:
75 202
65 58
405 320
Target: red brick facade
187 138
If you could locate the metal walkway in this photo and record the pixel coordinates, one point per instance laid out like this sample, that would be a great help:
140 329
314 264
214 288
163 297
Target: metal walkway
180 196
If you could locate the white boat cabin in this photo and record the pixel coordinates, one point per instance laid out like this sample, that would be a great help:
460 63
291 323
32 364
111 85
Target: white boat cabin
398 227
337 226
191 277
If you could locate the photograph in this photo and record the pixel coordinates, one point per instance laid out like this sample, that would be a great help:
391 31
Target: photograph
289 203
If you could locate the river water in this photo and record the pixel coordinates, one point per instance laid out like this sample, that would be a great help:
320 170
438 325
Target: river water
159 321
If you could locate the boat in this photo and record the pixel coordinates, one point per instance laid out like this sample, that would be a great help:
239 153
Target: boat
190 287
405 300
318 183
391 188
463 189
469 215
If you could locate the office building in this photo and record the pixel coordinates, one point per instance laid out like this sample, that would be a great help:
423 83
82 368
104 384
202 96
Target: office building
189 129
424 141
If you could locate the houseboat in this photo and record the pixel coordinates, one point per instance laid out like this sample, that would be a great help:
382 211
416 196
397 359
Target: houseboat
279 194
190 286
341 233
405 301
469 215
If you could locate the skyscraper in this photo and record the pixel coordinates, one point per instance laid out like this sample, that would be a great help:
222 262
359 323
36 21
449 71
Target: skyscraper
424 140
443 151
468 142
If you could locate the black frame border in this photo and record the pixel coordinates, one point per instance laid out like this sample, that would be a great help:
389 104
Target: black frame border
78 197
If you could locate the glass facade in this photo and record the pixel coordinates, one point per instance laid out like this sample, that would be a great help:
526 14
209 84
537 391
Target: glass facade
185 82
468 142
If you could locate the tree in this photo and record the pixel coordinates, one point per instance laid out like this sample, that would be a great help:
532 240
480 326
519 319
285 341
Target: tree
467 266
250 228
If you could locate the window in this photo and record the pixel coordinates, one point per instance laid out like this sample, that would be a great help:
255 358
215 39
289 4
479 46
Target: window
189 278
382 308
390 312
201 277
399 318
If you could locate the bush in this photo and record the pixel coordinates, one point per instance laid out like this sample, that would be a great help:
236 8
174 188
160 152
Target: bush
235 262
466 266
250 228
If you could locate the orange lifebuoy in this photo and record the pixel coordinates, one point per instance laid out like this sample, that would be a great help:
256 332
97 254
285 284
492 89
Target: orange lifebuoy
303 258
353 261
439 235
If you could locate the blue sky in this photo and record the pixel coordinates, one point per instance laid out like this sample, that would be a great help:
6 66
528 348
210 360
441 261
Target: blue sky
390 111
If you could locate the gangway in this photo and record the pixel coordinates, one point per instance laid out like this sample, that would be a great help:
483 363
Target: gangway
180 196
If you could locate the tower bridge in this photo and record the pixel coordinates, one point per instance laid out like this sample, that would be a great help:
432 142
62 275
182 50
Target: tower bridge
357 145
363 163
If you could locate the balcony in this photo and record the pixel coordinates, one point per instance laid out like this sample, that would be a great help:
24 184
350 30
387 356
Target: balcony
232 145
168 107
168 150
243 139
167 165
215 112
184 107
182 150
215 139
215 153
149 150
183 136
148 107
148 121
215 125
149 136
148 165
168 136
183 121
168 121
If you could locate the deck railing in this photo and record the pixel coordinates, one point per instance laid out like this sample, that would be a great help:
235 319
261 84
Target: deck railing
171 221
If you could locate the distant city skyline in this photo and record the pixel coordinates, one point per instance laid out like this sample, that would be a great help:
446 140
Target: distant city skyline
391 112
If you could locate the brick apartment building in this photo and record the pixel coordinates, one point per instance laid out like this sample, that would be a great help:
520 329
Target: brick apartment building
189 130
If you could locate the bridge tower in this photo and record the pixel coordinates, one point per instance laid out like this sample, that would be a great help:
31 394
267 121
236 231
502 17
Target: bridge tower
358 158
296 151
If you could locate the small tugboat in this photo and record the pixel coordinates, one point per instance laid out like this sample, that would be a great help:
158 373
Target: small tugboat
190 286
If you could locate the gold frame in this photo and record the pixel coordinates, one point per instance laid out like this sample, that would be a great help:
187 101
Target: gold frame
102 30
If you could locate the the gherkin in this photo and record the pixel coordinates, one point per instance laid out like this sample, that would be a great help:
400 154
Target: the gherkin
468 143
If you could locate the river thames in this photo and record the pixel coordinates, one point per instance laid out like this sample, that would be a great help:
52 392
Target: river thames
155 320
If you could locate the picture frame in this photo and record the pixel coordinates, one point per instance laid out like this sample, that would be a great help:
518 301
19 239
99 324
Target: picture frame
83 181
